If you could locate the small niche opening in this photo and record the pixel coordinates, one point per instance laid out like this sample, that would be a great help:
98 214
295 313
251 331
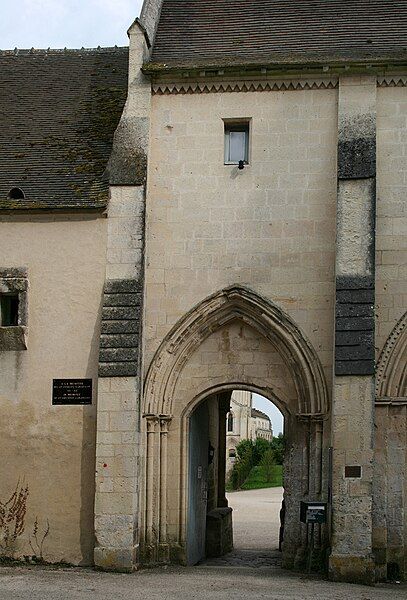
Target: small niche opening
8 310
16 193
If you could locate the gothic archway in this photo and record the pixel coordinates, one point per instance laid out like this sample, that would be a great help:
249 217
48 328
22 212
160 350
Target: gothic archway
225 306
391 377
169 400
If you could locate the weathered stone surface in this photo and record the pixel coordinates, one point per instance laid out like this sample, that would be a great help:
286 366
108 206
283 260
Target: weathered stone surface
357 158
124 326
108 355
128 160
354 324
118 355
344 338
352 569
122 286
118 369
125 340
13 273
122 299
219 532
121 560
354 310
119 313
13 338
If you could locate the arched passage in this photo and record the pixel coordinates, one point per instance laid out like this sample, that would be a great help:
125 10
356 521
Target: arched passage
391 380
234 339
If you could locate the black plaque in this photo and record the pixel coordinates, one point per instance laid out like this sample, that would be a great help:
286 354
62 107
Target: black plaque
353 471
313 512
71 391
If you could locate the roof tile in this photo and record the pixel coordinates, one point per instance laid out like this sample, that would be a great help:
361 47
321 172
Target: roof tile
58 113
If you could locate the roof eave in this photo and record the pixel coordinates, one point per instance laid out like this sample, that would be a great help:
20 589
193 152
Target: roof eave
15 207
282 65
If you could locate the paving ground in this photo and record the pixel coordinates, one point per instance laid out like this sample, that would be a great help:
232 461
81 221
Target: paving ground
256 518
189 583
244 576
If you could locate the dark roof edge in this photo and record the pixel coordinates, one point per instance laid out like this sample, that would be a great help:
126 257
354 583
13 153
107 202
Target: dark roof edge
45 51
7 207
255 412
323 62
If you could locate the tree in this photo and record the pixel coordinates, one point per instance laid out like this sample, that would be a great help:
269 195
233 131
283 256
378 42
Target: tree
260 447
277 444
268 463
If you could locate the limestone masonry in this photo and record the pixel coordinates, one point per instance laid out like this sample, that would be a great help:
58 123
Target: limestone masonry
219 207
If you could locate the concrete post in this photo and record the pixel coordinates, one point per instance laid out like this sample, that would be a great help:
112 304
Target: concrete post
353 391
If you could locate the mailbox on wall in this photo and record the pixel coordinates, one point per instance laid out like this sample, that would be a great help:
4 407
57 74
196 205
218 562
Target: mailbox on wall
313 512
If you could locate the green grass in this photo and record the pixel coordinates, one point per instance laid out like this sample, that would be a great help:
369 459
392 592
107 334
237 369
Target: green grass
257 480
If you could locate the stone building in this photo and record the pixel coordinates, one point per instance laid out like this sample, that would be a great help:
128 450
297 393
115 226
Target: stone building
243 422
219 207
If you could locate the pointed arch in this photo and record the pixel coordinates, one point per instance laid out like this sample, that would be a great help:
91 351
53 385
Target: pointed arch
235 302
391 371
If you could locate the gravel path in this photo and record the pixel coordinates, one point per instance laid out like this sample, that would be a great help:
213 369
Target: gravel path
249 573
176 583
256 518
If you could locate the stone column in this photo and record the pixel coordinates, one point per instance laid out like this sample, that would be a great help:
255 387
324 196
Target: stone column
118 461
224 407
353 389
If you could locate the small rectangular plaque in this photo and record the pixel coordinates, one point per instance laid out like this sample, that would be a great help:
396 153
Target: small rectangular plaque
353 471
71 391
313 512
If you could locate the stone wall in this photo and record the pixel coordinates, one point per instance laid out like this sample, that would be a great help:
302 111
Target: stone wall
270 226
390 487
391 224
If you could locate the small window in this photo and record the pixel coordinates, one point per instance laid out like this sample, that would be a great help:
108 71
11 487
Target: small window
9 310
232 453
230 422
236 142
16 193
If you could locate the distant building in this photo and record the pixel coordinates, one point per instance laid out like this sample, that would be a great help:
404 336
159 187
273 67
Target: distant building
244 422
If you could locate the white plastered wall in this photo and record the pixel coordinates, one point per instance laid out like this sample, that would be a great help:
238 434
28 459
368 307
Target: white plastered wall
51 449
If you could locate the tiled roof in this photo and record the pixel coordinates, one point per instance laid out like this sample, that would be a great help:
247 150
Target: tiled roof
58 112
259 414
222 32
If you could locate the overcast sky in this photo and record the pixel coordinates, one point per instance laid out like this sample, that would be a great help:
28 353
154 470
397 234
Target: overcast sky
66 23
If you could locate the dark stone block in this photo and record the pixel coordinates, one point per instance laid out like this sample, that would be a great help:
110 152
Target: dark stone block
357 158
355 296
118 354
357 282
354 323
122 286
354 338
122 326
14 273
119 313
357 352
354 310
354 367
13 338
13 285
124 369
119 340
122 299
219 532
